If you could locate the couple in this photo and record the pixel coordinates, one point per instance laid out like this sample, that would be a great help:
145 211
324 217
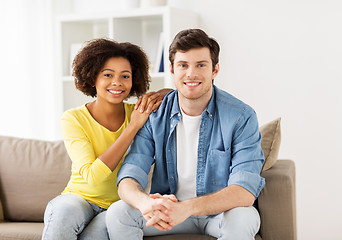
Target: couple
203 142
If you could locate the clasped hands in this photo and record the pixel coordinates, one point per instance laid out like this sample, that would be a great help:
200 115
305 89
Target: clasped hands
164 212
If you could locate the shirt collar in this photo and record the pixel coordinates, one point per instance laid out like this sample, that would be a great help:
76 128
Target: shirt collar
210 109
175 106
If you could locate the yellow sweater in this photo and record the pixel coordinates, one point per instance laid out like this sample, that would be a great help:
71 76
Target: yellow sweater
85 139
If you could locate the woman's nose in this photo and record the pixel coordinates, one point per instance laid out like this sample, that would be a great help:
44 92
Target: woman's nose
116 82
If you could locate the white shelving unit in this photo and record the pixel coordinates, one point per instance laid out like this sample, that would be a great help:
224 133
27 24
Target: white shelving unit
138 26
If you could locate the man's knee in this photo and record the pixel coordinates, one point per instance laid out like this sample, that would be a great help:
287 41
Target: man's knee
124 221
117 210
122 213
240 222
96 229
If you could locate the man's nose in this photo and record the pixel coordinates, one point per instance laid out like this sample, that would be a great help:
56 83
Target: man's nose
191 73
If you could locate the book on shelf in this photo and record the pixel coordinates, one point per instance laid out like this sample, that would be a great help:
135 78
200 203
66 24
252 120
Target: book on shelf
159 62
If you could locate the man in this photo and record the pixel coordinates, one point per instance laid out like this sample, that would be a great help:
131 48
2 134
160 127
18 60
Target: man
206 148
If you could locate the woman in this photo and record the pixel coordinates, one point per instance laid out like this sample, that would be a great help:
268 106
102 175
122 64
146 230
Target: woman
97 135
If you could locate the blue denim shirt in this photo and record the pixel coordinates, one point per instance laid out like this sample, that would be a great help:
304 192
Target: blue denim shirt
229 150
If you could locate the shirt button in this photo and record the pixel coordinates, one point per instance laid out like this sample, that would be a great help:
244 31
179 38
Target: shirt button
171 125
179 115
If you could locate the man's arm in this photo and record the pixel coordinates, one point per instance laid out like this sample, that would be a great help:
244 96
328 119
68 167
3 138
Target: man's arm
244 182
223 200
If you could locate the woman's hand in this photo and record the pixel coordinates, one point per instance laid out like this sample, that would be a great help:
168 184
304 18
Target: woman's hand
151 101
138 119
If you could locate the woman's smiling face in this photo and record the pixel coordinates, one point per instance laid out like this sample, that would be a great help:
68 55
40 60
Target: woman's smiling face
114 82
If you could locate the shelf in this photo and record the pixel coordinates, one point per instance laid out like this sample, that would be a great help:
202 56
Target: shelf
141 26
68 79
129 13
152 75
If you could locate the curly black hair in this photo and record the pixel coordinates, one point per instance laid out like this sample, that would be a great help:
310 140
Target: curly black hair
92 57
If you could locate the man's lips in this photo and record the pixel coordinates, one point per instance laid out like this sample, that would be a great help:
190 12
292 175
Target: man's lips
192 84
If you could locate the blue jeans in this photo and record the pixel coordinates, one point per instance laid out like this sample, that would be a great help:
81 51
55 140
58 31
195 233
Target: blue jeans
125 222
71 217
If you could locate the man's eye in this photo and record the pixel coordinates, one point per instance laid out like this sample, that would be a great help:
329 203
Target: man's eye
201 65
182 65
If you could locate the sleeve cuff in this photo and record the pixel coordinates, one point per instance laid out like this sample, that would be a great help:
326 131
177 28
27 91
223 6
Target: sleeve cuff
252 182
132 171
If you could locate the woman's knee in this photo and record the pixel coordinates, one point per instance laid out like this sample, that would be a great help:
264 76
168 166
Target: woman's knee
66 216
68 206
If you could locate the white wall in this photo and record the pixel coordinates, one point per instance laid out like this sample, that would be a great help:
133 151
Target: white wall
284 58
27 77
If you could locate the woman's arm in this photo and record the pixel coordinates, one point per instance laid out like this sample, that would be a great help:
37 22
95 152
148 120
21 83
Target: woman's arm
80 149
145 105
112 156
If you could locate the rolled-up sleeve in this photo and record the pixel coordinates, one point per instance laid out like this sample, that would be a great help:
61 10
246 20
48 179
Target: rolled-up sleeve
140 157
247 155
252 182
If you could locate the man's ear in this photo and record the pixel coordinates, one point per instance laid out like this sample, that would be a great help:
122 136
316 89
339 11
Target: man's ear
171 69
216 70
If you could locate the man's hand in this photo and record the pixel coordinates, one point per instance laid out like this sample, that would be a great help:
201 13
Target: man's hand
154 211
169 214
165 196
178 213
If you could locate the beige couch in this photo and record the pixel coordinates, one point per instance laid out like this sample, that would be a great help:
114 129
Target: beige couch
32 172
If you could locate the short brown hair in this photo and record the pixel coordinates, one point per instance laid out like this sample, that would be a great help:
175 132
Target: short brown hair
93 56
194 38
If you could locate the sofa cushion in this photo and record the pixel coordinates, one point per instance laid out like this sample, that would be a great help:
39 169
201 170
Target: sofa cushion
21 231
270 142
181 237
32 172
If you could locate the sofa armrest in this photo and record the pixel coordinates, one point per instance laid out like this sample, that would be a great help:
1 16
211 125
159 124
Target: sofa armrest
277 202
1 212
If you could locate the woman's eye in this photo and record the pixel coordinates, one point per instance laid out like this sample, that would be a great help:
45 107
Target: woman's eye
108 75
126 76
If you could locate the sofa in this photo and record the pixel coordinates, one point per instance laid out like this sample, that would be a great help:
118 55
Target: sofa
32 172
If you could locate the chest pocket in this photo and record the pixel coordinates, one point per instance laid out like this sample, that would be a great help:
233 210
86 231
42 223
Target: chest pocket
218 166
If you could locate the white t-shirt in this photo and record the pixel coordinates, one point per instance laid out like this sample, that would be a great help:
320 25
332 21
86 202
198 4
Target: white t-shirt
187 148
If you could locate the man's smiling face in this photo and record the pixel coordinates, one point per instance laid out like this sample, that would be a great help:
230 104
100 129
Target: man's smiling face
193 74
